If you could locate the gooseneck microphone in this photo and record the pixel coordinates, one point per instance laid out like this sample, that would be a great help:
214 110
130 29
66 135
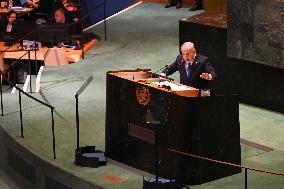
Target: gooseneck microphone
158 75
155 73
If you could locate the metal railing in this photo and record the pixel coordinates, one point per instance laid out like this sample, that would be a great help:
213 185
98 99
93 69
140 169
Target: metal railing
78 93
27 52
228 164
28 95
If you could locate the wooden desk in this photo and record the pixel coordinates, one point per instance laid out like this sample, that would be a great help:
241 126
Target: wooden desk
16 55
75 55
4 11
71 54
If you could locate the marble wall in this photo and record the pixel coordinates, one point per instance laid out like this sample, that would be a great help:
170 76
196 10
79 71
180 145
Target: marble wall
256 31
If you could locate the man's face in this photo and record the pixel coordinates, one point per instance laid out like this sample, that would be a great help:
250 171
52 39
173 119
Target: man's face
59 17
12 18
188 54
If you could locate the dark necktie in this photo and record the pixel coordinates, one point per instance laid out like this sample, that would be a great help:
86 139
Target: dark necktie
188 70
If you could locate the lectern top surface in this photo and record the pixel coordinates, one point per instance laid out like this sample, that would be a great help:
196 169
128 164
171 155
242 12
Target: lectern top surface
173 86
146 79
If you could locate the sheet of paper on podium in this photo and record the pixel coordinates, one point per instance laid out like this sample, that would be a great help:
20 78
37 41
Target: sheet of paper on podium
173 86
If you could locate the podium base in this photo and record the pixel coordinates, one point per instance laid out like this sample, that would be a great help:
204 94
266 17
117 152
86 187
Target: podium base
162 183
88 156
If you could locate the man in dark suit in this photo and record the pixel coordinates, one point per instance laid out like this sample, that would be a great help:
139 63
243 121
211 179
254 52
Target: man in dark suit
195 69
71 12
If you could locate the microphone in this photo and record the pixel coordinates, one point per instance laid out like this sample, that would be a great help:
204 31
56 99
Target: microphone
143 70
155 73
166 67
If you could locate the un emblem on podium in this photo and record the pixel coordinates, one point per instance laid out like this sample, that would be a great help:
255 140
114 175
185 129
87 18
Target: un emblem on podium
143 95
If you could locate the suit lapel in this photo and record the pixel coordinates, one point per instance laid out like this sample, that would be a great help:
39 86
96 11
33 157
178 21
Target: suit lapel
183 71
193 68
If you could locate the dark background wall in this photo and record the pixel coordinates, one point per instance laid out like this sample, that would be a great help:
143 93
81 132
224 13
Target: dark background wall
257 83
255 31
95 8
255 44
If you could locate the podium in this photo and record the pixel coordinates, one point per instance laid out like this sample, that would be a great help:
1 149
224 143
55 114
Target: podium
204 126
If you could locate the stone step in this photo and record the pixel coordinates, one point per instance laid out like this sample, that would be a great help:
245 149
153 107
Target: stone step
14 90
30 84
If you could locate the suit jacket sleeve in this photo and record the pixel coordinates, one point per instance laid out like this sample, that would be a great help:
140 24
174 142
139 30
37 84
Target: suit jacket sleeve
209 69
173 67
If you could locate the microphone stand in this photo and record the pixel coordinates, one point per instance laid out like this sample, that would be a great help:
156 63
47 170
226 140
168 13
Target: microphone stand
155 73
166 66
158 182
158 75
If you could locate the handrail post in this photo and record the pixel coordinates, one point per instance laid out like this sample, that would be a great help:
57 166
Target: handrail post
35 48
53 135
82 88
21 115
105 27
20 104
2 110
246 178
77 121
82 46
30 71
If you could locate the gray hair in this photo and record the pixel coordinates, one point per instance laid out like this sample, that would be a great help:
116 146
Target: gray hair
187 45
